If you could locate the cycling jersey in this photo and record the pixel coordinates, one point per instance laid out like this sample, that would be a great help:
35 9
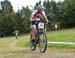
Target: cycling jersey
37 14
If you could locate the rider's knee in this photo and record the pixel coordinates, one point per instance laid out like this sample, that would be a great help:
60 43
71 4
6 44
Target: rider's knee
34 29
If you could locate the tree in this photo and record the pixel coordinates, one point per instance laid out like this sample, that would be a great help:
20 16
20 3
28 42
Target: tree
69 13
37 4
25 15
6 6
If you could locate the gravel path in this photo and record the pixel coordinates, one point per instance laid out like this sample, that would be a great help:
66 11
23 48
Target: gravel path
22 52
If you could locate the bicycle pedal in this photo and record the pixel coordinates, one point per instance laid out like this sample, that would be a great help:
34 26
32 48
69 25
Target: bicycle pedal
33 42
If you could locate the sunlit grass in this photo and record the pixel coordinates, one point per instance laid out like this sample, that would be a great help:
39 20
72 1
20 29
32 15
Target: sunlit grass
67 35
24 41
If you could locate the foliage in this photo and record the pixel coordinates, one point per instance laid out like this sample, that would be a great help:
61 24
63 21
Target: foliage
11 21
63 12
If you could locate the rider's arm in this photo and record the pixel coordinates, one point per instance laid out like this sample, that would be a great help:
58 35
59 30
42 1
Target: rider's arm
30 18
32 15
46 19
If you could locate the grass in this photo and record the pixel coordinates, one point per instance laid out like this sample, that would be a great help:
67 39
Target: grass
9 51
62 35
24 41
67 35
5 43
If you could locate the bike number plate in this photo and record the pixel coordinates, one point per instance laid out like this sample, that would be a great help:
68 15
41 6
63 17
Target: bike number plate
41 25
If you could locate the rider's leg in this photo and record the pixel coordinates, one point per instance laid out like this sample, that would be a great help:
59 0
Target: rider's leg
33 32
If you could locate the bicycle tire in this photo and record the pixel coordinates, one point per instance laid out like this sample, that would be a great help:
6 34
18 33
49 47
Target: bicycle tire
33 47
42 41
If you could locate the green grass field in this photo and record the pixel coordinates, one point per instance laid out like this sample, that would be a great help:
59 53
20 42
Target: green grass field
67 35
12 48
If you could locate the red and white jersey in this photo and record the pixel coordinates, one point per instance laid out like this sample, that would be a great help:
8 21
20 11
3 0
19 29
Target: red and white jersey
37 14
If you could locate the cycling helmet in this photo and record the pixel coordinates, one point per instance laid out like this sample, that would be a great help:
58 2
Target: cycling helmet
41 7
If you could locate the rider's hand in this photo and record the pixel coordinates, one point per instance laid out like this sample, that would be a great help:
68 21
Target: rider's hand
30 20
47 21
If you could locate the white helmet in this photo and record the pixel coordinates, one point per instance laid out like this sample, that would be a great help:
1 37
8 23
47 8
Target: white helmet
41 7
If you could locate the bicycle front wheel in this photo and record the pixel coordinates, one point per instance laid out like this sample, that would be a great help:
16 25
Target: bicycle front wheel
33 47
42 42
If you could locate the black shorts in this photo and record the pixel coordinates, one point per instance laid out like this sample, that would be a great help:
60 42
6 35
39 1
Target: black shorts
35 23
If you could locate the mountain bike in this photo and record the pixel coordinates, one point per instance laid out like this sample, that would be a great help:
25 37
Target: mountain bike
40 38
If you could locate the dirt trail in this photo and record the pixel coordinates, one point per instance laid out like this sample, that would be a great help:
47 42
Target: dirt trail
13 45
22 52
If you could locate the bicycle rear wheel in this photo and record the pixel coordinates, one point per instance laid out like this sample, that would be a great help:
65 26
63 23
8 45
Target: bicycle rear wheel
33 47
42 42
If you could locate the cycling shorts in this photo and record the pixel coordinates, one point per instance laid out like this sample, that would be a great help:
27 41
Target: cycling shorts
35 23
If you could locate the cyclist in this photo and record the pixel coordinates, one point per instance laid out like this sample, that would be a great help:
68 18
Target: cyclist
35 19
